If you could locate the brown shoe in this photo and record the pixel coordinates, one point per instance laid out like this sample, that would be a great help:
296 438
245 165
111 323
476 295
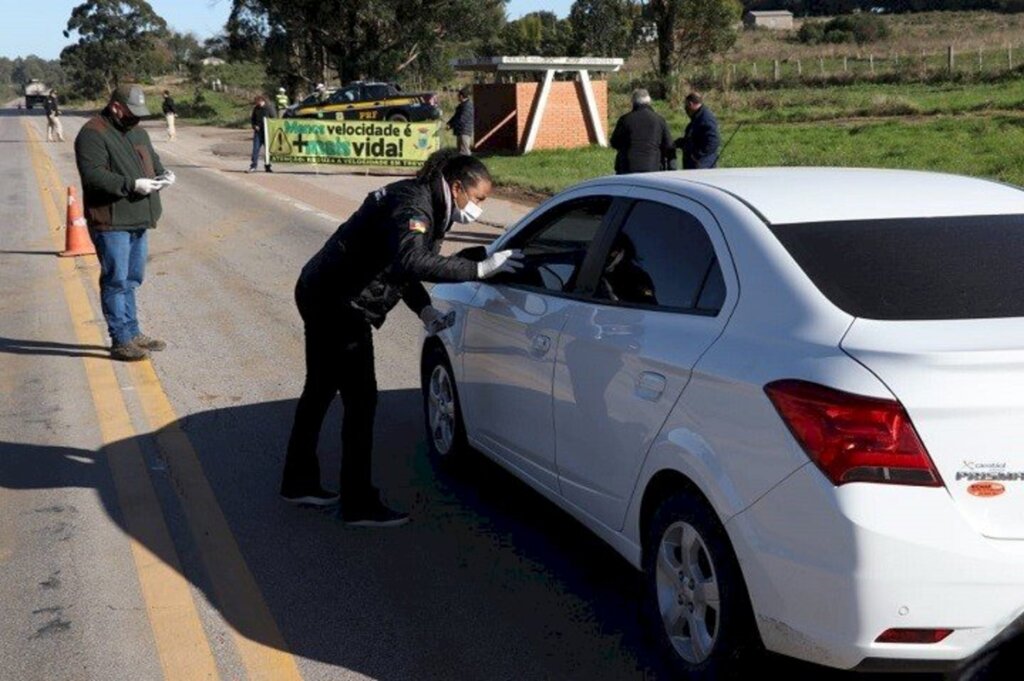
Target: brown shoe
146 343
128 352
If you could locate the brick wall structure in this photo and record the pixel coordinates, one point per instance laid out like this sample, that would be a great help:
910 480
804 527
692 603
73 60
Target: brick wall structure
503 111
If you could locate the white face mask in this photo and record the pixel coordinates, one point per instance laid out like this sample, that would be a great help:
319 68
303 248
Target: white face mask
471 213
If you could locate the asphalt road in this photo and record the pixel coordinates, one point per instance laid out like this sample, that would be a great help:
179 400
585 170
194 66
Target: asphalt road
141 536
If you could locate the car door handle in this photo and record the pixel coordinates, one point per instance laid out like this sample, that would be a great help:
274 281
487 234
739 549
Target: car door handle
540 345
650 386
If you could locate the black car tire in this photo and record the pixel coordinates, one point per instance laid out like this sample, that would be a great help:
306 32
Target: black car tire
398 117
735 642
437 376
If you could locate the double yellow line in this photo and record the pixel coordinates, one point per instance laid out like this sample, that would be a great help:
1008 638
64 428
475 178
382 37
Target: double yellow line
181 643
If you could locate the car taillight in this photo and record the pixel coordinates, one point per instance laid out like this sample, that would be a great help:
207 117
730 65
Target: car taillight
913 635
853 438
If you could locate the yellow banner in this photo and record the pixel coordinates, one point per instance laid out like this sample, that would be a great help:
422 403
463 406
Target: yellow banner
364 143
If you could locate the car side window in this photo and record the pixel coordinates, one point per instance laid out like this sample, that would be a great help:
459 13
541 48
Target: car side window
376 91
556 244
662 257
345 95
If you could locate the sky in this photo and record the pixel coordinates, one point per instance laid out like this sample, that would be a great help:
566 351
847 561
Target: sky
38 31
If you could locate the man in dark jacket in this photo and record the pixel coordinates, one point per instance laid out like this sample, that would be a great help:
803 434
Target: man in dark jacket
642 139
700 141
51 107
377 257
461 122
260 113
121 179
170 113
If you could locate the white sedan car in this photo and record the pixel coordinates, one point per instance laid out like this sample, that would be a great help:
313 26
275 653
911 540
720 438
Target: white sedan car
793 398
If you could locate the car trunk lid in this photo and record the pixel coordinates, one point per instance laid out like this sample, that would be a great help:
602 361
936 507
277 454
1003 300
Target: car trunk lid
962 384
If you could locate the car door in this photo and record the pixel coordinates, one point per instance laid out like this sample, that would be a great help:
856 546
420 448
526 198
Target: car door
658 301
512 332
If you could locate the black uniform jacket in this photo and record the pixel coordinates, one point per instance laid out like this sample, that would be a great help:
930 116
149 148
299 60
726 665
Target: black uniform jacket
381 254
700 141
642 141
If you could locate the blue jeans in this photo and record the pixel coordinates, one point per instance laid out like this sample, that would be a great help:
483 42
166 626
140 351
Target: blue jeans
122 256
257 144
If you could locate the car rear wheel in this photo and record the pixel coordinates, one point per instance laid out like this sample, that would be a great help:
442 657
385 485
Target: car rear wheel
697 605
398 118
446 435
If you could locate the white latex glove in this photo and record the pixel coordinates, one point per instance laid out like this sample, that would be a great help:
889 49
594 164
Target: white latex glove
146 186
502 261
168 178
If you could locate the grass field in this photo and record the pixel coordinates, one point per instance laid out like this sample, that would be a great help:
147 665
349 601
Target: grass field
974 129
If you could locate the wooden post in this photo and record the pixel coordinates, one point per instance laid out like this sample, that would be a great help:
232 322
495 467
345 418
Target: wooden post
979 60
871 60
777 72
799 68
755 69
1009 57
821 65
846 67
950 59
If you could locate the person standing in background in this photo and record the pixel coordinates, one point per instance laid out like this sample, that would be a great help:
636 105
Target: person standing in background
281 100
642 139
260 113
54 129
170 113
701 139
461 123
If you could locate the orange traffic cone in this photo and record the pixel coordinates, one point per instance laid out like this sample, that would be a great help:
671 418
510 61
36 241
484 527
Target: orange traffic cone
77 241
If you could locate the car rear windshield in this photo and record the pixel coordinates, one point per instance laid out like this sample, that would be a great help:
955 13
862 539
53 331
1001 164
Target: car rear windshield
915 269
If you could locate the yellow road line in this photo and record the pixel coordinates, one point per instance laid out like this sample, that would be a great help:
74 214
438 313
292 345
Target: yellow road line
262 648
181 643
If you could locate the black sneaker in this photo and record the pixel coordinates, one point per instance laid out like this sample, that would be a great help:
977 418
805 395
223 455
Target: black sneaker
374 514
309 496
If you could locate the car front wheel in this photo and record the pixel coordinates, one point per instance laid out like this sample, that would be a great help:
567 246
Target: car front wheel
398 118
697 605
446 435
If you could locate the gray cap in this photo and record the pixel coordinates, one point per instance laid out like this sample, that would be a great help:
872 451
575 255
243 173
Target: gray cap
132 97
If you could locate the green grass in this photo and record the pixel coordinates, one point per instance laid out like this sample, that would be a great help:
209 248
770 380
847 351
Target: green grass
984 146
217 108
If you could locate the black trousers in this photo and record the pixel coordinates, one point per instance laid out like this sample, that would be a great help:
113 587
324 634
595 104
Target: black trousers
339 359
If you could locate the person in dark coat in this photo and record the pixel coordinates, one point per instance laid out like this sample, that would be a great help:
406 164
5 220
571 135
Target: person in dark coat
461 122
700 142
375 259
261 111
642 139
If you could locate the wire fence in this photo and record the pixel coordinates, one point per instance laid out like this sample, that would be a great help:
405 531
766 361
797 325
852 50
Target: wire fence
863 65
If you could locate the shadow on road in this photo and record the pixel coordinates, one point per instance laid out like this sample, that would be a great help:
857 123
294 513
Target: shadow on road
14 346
488 581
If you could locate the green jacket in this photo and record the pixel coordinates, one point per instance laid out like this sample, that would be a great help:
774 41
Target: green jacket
109 161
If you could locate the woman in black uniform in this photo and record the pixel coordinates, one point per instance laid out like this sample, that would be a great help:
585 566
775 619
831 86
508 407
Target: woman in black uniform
376 258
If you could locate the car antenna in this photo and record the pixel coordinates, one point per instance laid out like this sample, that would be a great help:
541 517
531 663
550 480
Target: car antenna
726 145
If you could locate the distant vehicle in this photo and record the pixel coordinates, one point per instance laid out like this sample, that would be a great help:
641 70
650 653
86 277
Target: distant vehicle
792 397
368 101
35 93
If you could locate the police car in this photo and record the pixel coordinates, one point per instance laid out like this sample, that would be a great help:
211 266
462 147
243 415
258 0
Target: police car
368 101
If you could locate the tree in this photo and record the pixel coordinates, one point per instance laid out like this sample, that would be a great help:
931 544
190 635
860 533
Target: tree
689 30
356 38
605 28
184 49
116 39
536 33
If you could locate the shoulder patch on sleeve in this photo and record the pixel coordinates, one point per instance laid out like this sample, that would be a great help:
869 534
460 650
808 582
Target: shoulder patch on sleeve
417 226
